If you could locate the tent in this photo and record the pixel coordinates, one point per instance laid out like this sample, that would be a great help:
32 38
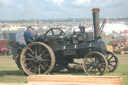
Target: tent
110 28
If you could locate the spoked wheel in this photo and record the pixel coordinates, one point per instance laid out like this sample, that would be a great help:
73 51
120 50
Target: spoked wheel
112 61
95 64
37 58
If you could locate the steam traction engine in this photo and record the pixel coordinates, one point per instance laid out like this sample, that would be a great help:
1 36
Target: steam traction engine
55 50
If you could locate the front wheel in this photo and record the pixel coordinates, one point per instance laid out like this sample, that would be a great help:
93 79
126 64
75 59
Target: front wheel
112 61
95 63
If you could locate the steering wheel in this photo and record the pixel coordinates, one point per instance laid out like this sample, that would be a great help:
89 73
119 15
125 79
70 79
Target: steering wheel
54 32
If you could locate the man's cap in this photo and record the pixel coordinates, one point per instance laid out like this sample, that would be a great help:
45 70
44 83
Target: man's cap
30 27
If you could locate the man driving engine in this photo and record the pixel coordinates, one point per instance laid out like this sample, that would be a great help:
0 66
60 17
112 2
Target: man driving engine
28 35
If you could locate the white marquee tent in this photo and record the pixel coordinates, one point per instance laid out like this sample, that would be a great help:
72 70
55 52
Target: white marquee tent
109 28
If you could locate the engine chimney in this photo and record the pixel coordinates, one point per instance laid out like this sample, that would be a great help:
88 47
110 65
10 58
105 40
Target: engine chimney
96 21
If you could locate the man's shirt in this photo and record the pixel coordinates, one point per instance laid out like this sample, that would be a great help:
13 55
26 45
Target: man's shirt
28 36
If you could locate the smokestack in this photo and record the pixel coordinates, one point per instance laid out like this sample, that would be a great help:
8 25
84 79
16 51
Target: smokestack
96 21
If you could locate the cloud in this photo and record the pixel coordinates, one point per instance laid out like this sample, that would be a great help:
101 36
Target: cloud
5 2
58 1
46 9
82 2
47 0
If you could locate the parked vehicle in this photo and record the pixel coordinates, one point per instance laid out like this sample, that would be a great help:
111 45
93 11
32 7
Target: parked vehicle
3 46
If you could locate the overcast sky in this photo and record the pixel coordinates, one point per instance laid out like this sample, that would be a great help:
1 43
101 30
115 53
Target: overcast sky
61 9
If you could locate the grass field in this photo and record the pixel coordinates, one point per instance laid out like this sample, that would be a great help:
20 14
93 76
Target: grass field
14 75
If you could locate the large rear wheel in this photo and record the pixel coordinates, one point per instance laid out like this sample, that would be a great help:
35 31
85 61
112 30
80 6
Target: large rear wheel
95 64
37 58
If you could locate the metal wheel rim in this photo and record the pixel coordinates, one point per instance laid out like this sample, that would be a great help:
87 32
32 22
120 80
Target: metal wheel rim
37 62
95 65
112 61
